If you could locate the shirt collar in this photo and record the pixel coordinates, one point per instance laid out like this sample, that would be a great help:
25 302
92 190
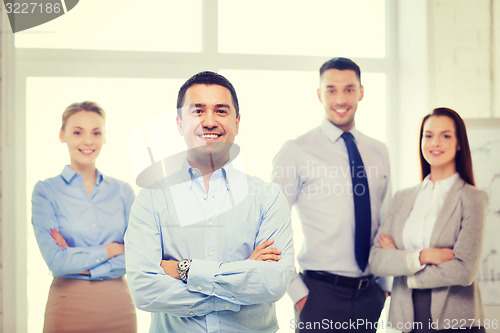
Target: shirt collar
333 132
69 174
443 184
225 173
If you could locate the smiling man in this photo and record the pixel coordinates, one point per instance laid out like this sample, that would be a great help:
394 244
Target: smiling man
210 248
339 180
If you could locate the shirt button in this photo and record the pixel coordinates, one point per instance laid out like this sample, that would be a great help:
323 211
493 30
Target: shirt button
211 253
191 313
232 298
227 307
93 225
90 205
211 224
199 288
97 260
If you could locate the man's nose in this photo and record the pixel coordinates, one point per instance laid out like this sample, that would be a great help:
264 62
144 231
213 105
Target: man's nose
209 120
341 98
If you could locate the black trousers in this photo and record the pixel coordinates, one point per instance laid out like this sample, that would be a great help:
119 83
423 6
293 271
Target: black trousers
334 308
423 318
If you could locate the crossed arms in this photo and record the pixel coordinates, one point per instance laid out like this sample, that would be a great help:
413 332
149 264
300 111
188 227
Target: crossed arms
212 285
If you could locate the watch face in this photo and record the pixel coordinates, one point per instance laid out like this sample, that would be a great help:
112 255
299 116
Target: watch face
183 264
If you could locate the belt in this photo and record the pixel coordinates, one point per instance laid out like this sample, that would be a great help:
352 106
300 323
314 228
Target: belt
344 281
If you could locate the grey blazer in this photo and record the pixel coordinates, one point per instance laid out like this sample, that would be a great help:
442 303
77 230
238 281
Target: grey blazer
459 226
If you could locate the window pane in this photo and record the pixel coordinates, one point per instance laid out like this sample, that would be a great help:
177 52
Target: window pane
130 102
354 28
152 25
277 106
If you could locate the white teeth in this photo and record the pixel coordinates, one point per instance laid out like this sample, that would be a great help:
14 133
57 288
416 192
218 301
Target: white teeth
87 151
341 110
210 136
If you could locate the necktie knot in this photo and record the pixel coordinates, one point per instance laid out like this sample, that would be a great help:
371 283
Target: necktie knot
347 136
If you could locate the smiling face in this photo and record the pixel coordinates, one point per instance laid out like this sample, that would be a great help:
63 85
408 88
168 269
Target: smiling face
84 134
339 92
208 123
439 145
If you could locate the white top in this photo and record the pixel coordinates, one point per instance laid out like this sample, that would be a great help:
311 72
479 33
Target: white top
314 174
418 228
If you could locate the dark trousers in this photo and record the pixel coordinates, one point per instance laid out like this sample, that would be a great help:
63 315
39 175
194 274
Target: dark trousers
334 308
423 318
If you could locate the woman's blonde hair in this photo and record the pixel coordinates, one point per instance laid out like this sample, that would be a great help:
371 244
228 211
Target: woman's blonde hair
88 106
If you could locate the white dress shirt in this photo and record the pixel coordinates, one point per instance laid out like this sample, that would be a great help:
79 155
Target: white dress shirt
418 228
314 174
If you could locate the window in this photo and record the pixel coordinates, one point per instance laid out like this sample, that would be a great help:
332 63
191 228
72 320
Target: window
294 27
122 25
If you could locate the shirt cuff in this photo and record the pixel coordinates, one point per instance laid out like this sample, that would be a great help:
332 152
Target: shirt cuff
201 276
223 305
297 289
100 254
98 272
413 261
411 281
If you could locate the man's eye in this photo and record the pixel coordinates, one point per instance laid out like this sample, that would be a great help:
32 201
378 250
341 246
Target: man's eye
97 133
76 133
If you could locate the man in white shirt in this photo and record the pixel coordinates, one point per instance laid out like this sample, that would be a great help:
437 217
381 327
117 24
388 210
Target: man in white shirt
338 179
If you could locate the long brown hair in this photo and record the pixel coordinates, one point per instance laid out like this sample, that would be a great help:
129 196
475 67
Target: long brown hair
463 160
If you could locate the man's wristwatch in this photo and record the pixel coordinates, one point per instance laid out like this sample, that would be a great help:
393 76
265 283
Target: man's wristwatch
183 269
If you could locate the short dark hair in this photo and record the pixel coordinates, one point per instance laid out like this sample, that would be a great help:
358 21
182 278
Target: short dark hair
208 78
341 64
463 160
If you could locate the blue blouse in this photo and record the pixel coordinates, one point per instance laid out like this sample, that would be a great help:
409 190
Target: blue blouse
85 222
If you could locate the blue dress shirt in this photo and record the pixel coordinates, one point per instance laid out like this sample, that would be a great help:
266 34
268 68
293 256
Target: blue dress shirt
85 222
218 230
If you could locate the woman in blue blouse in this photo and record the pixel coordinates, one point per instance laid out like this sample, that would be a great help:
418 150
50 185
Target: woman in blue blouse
80 218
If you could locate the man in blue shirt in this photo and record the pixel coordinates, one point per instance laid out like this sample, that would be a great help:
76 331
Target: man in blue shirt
209 248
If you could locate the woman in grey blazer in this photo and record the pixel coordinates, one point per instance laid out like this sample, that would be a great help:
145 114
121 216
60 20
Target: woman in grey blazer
431 239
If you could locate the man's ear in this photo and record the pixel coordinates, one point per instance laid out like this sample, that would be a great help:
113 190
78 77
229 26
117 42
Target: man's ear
238 124
179 124
319 95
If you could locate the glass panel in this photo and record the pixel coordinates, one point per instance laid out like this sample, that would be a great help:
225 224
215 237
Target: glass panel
46 156
277 106
153 25
354 28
